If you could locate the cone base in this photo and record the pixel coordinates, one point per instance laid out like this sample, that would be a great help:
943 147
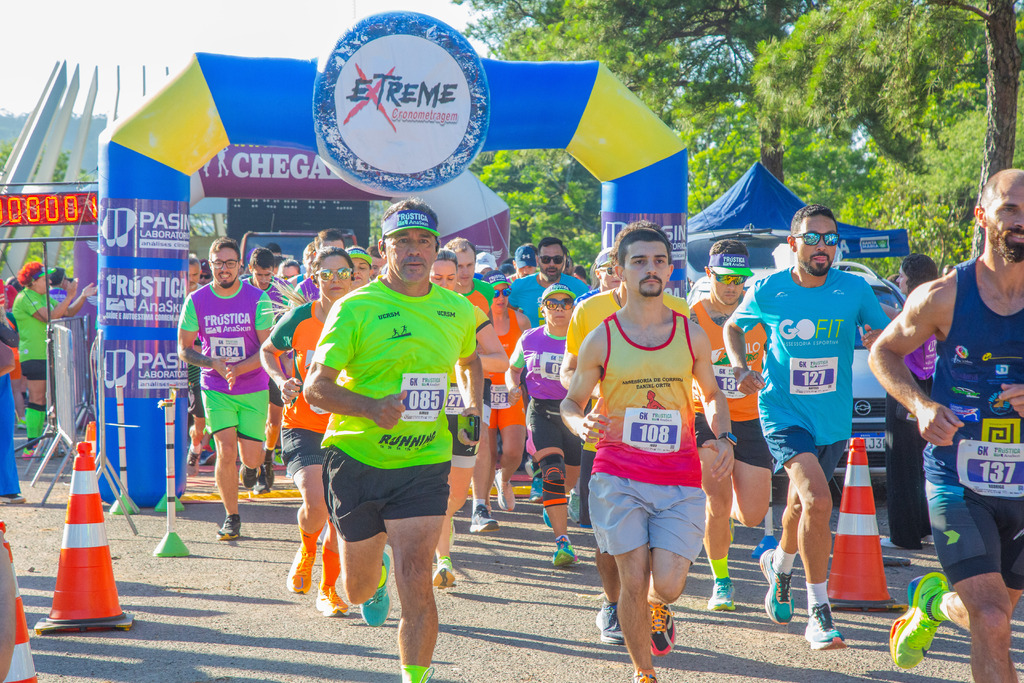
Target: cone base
767 543
47 626
119 506
867 605
171 546
162 505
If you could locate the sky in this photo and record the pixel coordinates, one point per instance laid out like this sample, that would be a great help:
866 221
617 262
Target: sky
162 36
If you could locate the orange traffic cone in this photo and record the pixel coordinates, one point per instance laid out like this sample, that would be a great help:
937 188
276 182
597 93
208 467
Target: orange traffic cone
85 598
23 669
857 577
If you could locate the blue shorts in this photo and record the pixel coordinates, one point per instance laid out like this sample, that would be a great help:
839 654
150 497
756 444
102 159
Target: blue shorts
977 534
788 442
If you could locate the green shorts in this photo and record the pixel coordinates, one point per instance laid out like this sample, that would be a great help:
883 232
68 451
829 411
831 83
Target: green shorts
246 413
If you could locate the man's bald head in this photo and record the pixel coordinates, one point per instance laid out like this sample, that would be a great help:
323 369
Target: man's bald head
998 184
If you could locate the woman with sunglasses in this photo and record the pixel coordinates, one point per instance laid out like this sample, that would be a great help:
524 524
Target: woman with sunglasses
507 416
298 331
444 273
556 449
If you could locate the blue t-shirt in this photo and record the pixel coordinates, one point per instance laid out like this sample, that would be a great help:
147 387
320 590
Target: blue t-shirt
809 360
525 295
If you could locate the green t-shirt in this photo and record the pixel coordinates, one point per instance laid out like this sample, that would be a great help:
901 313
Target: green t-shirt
485 289
32 331
386 341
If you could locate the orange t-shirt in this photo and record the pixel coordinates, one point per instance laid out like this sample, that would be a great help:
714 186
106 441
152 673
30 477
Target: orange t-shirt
742 407
299 330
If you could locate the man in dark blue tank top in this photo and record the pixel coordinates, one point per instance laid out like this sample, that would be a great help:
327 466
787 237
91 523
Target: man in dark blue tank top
974 463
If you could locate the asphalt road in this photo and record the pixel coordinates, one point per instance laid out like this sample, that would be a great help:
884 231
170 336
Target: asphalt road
223 614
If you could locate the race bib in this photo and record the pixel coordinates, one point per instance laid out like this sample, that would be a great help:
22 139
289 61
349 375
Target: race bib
727 381
425 396
455 403
654 431
991 469
550 364
813 375
228 348
499 397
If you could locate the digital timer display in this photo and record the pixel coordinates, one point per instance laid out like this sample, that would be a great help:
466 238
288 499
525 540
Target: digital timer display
56 208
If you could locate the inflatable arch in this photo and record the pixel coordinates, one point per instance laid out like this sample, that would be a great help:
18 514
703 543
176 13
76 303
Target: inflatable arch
470 104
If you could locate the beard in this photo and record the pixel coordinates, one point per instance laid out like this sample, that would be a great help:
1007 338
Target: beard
999 241
817 270
655 289
226 284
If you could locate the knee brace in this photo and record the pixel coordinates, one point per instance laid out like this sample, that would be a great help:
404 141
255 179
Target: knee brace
552 469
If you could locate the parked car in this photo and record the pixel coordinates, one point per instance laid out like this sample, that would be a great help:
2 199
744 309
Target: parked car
868 395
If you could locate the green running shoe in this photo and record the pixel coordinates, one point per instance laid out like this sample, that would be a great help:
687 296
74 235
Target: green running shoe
911 635
564 553
375 611
722 598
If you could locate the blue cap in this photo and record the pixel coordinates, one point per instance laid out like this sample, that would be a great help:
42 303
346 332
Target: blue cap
526 257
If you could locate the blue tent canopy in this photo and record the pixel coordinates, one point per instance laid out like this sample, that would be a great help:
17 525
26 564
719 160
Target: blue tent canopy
760 201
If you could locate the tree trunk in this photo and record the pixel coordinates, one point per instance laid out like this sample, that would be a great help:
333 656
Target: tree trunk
1003 62
772 150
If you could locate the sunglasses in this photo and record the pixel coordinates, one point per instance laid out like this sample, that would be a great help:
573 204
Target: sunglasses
812 238
504 291
558 304
224 264
557 260
730 279
327 274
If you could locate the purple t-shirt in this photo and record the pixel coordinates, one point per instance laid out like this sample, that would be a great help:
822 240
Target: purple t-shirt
541 357
227 329
310 290
921 361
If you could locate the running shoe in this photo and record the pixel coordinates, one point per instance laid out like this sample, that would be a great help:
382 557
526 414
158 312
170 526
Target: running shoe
230 529
444 575
722 597
375 610
537 490
330 604
300 576
663 630
261 486
820 632
608 621
574 506
644 678
193 463
248 476
12 498
564 553
482 521
911 635
209 458
544 516
777 602
506 494
267 470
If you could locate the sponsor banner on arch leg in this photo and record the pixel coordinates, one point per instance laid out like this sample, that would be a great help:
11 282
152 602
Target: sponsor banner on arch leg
141 297
146 368
147 228
674 227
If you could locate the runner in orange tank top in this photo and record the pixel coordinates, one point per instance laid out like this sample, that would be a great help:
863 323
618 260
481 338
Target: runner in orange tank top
646 504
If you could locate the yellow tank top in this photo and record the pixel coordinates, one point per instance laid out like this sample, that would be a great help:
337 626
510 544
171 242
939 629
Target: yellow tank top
647 394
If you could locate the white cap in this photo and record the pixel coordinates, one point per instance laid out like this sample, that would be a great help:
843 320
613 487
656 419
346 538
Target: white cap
485 260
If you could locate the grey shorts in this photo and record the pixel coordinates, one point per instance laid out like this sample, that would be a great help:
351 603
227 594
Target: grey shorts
628 514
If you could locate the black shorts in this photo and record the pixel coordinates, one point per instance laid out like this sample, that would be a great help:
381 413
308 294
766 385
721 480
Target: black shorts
195 402
547 429
750 448
34 370
360 497
300 448
275 394
977 534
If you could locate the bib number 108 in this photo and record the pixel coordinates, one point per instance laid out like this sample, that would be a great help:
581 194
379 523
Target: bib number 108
651 433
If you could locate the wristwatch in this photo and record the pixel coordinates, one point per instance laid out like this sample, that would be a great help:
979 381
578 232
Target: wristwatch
728 436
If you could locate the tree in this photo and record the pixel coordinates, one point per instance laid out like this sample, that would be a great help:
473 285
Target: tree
682 57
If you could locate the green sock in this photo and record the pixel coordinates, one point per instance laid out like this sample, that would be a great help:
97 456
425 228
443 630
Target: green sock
34 420
720 568
415 674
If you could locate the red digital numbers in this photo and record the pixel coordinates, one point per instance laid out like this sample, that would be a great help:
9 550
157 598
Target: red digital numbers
62 208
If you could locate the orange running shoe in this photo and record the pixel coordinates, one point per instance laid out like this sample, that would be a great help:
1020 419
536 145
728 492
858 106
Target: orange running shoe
300 577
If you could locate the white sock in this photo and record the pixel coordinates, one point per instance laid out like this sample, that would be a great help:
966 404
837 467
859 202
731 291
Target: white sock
479 501
782 562
817 594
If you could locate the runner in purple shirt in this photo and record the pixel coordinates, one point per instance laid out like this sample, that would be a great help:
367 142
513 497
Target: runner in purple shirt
231 319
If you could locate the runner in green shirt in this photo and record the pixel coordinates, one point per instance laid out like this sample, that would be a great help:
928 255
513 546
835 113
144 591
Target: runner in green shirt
388 449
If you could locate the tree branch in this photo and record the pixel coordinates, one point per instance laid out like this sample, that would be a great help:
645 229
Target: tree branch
965 7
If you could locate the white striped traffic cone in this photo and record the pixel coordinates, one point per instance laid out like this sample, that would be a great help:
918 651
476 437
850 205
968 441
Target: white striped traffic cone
23 669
